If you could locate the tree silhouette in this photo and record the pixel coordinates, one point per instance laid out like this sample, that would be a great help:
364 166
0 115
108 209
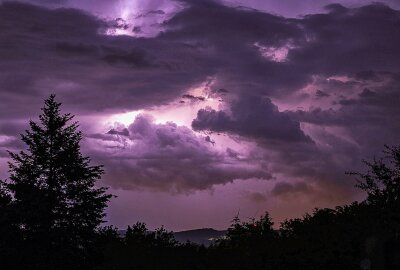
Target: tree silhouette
382 184
10 237
52 184
382 181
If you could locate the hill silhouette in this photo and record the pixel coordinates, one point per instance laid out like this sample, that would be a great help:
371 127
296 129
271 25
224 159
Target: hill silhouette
205 236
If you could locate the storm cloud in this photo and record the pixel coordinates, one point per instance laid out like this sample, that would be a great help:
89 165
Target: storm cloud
251 117
170 158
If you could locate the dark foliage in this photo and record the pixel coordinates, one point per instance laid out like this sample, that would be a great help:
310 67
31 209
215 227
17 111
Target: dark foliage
51 195
140 248
382 184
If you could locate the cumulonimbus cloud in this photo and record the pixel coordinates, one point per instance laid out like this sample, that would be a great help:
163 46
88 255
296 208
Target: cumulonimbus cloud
252 117
169 157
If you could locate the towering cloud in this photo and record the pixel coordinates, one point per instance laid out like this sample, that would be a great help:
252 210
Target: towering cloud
252 117
170 158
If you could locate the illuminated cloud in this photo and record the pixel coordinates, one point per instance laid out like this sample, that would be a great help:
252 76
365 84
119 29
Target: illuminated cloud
168 157
277 54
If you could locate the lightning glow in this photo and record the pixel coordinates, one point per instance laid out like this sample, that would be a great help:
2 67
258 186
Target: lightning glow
124 118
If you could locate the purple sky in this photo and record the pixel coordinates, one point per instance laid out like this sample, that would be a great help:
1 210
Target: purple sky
200 109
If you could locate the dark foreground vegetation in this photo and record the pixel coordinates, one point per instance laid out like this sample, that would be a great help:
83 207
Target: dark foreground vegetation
51 212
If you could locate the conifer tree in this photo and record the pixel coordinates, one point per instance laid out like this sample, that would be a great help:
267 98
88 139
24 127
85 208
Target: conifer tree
54 195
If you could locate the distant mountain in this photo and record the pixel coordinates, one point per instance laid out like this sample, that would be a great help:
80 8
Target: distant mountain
204 236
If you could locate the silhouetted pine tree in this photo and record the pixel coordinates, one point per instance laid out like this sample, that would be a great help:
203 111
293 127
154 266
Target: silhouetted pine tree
54 194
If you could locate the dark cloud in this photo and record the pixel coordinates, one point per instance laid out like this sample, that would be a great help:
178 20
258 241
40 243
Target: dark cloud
230 39
112 55
362 125
11 128
239 25
336 8
123 132
75 49
209 140
366 107
222 91
136 29
193 98
366 93
170 158
34 21
284 188
257 197
368 75
253 117
321 94
66 51
119 23
205 39
136 58
372 36
151 12
346 102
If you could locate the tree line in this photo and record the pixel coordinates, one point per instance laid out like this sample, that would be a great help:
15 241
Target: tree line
51 213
